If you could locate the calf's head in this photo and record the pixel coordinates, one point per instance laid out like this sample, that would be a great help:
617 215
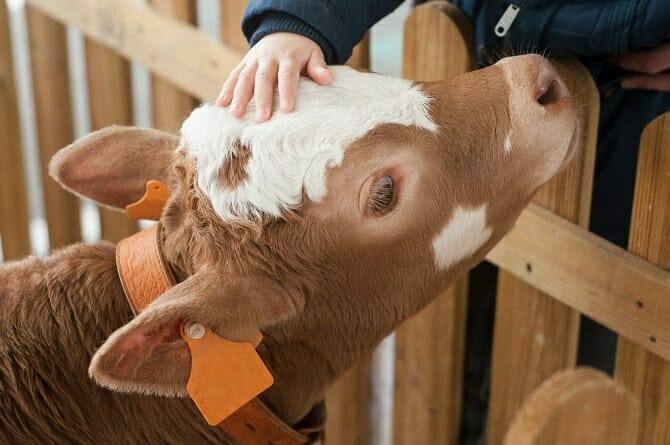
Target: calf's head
325 228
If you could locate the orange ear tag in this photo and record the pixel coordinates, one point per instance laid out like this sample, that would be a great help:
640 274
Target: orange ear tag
149 206
225 375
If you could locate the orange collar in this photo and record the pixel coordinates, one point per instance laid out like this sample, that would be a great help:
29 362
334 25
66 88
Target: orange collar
235 409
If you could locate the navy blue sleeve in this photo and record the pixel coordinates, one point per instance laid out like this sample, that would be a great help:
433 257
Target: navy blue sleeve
592 28
335 25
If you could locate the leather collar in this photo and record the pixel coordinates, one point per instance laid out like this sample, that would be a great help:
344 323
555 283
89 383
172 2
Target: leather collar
144 276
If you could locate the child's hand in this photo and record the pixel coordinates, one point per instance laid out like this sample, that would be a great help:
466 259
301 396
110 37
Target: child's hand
276 59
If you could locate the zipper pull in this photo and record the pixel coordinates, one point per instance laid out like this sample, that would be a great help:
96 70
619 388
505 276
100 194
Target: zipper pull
506 21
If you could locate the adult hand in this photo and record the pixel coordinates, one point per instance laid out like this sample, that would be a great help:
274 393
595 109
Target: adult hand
277 59
654 66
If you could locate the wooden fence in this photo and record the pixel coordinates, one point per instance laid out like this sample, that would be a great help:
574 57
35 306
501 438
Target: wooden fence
552 268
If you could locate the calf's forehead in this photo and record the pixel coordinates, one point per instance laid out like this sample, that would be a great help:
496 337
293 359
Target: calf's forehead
290 154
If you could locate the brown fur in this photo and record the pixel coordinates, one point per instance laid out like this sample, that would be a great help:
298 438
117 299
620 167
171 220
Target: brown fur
234 171
324 284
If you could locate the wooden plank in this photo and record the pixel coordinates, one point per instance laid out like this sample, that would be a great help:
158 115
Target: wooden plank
110 103
170 104
646 374
590 275
429 347
531 327
437 42
348 419
13 200
182 55
360 57
429 371
230 13
580 406
51 86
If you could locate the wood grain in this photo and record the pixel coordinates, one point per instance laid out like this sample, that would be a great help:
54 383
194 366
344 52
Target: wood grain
55 129
170 104
231 12
591 275
531 327
346 403
429 371
13 200
110 104
577 406
429 347
645 373
182 55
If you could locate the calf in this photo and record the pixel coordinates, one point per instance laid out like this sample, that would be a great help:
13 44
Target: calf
324 229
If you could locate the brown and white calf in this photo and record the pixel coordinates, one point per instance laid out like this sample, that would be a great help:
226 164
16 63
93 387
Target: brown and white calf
324 228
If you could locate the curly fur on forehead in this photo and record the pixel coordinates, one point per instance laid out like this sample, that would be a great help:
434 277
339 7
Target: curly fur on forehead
290 153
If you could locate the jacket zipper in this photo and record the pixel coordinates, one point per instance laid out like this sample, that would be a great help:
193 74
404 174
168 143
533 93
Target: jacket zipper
506 21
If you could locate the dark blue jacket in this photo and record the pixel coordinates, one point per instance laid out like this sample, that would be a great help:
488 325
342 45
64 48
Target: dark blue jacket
586 28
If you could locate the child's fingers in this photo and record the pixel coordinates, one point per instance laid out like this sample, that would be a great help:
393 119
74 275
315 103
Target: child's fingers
317 69
289 73
266 76
651 61
243 90
226 94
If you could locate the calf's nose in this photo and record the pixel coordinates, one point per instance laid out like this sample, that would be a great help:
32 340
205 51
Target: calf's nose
549 86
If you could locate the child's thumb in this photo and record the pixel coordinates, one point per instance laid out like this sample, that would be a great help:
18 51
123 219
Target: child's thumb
317 69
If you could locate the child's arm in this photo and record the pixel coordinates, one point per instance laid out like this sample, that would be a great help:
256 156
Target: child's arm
290 37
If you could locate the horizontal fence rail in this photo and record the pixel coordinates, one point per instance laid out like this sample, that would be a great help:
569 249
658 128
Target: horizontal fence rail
182 55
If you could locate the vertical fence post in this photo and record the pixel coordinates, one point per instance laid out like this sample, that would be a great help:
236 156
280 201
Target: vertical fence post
536 335
646 374
577 406
13 201
110 103
231 12
51 85
171 105
429 347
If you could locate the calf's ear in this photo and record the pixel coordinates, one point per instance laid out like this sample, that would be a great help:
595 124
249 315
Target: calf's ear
149 356
112 166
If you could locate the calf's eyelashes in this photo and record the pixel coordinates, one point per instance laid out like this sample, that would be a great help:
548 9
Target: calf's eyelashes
381 196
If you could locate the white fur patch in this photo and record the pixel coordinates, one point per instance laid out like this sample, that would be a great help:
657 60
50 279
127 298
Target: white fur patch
465 233
508 142
291 152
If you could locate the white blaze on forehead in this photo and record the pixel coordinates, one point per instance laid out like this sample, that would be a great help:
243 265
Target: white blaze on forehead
291 152
465 233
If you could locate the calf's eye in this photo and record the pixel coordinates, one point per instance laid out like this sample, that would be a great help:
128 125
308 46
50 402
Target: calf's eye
381 197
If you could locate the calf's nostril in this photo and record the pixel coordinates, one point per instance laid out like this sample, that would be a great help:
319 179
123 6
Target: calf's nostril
550 87
550 94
